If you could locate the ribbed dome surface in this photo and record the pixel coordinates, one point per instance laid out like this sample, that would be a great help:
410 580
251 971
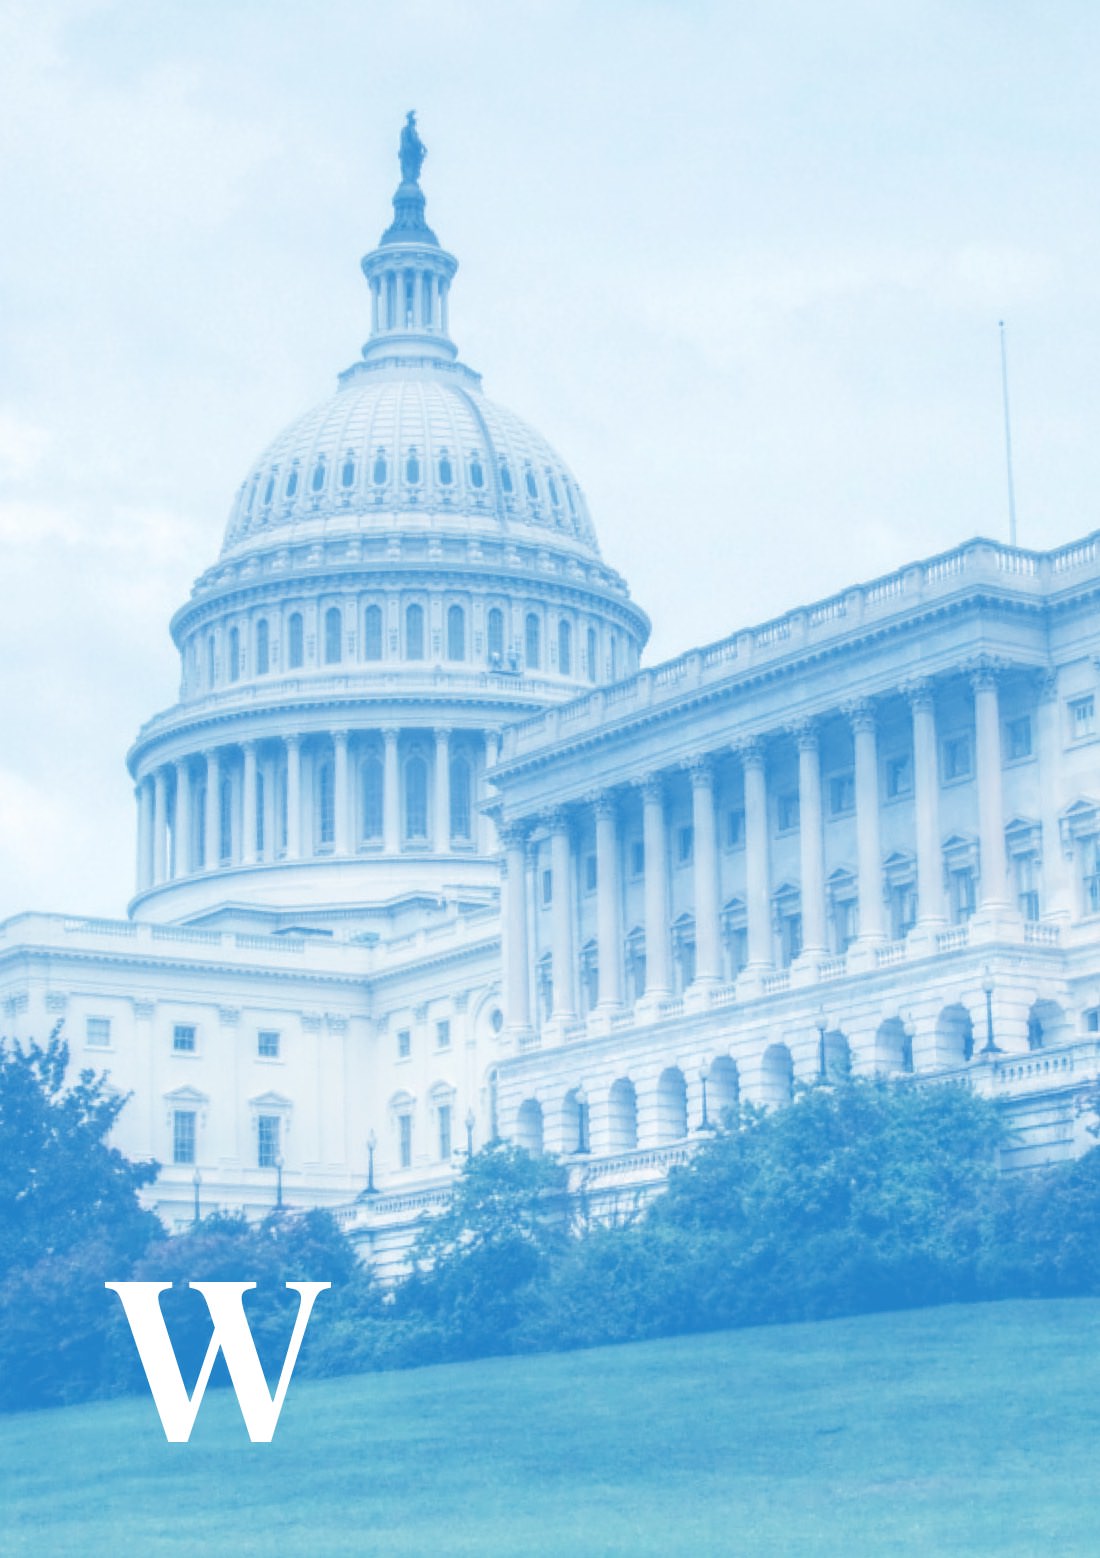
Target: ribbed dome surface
411 439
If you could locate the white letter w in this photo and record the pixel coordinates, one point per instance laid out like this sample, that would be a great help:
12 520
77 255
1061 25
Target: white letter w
232 1336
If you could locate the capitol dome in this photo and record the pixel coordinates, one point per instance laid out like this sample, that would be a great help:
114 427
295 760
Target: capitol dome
406 569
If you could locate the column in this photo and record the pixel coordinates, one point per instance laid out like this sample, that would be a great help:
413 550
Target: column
248 805
293 797
374 305
184 824
561 917
212 820
1056 882
993 882
442 828
608 939
160 825
811 839
341 794
868 839
757 875
926 797
517 1000
658 958
708 933
391 798
143 794
487 825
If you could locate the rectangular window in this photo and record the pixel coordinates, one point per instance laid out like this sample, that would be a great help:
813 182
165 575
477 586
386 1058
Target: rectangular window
903 910
1091 864
1027 886
267 1140
791 938
590 873
735 828
547 887
405 1140
443 1034
404 1044
183 1136
1018 738
445 1131
267 1044
97 1032
685 844
787 809
899 776
962 895
183 1039
956 758
842 794
637 858
1082 717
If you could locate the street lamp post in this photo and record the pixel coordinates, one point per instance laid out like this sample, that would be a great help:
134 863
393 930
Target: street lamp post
990 1047
471 1121
704 1074
279 1183
372 1142
582 1120
196 1181
822 1023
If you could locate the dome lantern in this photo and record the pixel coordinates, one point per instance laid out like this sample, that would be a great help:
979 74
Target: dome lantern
409 274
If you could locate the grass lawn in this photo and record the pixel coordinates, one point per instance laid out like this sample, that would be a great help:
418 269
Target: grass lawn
942 1431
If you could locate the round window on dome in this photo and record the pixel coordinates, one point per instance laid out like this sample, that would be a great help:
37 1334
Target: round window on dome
477 473
292 482
317 480
381 470
412 468
505 476
446 471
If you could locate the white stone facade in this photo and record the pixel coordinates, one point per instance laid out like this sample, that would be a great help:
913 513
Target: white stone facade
424 857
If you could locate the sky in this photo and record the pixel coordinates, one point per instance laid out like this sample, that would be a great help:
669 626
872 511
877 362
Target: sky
742 263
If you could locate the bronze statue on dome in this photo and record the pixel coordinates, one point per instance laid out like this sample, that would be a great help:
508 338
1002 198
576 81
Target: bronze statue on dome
412 151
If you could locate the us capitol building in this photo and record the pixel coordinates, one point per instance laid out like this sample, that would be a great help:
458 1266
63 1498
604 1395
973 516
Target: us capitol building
426 857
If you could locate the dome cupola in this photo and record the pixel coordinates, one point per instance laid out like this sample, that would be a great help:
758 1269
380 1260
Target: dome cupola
406 568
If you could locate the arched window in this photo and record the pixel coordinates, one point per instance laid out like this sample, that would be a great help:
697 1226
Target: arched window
456 633
380 470
414 632
333 628
211 665
592 654
565 648
477 473
552 488
372 633
263 651
317 481
533 642
532 488
506 477
371 784
460 798
347 470
269 490
292 481
412 468
569 497
446 471
326 804
495 635
416 799
294 640
234 655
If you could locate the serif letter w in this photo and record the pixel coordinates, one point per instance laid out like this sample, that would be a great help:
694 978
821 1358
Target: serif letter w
232 1336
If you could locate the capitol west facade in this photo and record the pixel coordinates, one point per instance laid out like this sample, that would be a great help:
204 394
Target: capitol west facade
426 858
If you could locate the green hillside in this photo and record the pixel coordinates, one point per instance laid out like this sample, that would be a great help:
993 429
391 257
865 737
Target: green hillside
941 1431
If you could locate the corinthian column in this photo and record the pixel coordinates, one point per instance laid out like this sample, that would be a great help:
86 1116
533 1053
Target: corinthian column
811 839
391 799
143 792
609 952
160 825
442 829
248 804
561 916
517 996
183 823
708 933
757 874
868 838
658 962
213 813
926 796
991 817
293 797
341 793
